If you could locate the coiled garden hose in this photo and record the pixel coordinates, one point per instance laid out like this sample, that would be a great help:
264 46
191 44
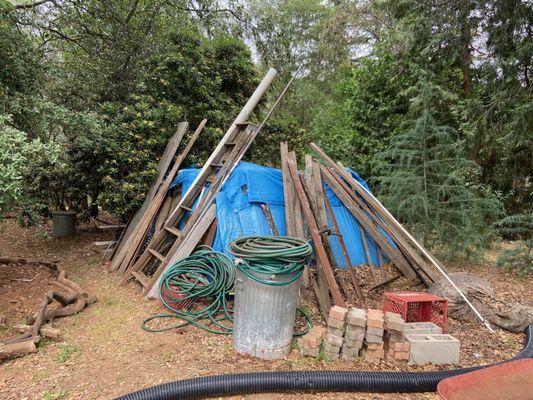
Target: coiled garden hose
257 256
308 381
205 278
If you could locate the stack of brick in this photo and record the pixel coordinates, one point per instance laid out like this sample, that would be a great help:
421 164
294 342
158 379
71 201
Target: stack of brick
334 336
354 335
374 336
312 340
396 343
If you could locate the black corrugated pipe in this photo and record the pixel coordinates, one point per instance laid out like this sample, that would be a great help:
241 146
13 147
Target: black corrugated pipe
308 381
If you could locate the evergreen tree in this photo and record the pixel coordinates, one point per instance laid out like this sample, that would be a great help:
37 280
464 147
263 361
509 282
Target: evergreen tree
431 185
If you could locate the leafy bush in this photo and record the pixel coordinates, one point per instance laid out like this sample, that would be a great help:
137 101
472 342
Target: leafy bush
17 157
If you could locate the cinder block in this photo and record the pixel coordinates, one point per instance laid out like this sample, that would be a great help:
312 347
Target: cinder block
330 348
435 349
309 352
335 323
335 331
328 356
353 343
356 317
374 331
334 340
339 313
415 328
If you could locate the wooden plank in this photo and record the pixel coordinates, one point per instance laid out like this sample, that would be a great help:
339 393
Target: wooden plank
321 286
236 153
366 250
270 218
315 235
130 249
162 168
110 227
187 247
368 225
394 229
353 277
209 236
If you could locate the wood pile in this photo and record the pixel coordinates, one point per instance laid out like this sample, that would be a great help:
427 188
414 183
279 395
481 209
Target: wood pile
72 299
170 226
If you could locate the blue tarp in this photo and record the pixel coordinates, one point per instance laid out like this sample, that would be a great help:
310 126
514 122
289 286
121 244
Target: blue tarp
239 212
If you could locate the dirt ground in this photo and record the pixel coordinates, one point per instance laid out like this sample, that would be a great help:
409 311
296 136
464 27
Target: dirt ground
104 353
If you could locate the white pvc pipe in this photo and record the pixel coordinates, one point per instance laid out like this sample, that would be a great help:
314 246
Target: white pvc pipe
430 258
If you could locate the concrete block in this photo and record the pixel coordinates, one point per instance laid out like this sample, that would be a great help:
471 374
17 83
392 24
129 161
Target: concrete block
397 326
435 349
335 323
373 338
395 338
348 357
374 331
354 335
350 351
335 331
353 343
328 356
355 329
415 328
334 340
330 348
356 317
339 313
309 352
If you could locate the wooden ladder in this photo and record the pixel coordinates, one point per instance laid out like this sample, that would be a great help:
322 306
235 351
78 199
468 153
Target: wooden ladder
166 243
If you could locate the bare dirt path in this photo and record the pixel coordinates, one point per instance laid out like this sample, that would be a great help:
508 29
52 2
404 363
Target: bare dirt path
104 353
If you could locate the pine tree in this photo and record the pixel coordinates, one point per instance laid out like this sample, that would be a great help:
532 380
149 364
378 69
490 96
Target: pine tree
430 184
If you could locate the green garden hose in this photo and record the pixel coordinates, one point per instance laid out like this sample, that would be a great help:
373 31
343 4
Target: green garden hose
271 255
195 289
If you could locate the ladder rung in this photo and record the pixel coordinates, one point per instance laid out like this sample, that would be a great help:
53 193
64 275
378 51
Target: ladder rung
172 230
230 143
244 123
156 255
141 278
216 165
186 208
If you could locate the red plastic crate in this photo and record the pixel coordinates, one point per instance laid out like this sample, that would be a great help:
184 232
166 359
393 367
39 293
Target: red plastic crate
417 307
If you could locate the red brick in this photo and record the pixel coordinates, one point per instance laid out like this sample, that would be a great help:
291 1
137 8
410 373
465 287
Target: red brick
401 355
399 346
374 346
374 322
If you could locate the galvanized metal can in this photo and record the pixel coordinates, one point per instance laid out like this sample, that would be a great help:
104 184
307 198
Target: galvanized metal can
264 315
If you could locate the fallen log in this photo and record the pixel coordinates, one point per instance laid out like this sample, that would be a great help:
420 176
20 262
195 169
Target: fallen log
17 349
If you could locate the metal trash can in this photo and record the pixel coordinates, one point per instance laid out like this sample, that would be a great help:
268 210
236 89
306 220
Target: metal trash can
63 223
264 315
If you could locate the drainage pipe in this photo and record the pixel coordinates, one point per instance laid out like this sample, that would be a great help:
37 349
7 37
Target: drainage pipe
309 381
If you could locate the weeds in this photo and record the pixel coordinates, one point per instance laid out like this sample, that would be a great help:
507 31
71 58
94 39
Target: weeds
55 395
66 351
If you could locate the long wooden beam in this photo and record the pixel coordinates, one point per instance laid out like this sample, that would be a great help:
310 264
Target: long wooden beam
315 235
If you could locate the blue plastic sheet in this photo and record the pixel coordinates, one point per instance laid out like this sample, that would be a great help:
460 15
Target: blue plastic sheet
239 212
